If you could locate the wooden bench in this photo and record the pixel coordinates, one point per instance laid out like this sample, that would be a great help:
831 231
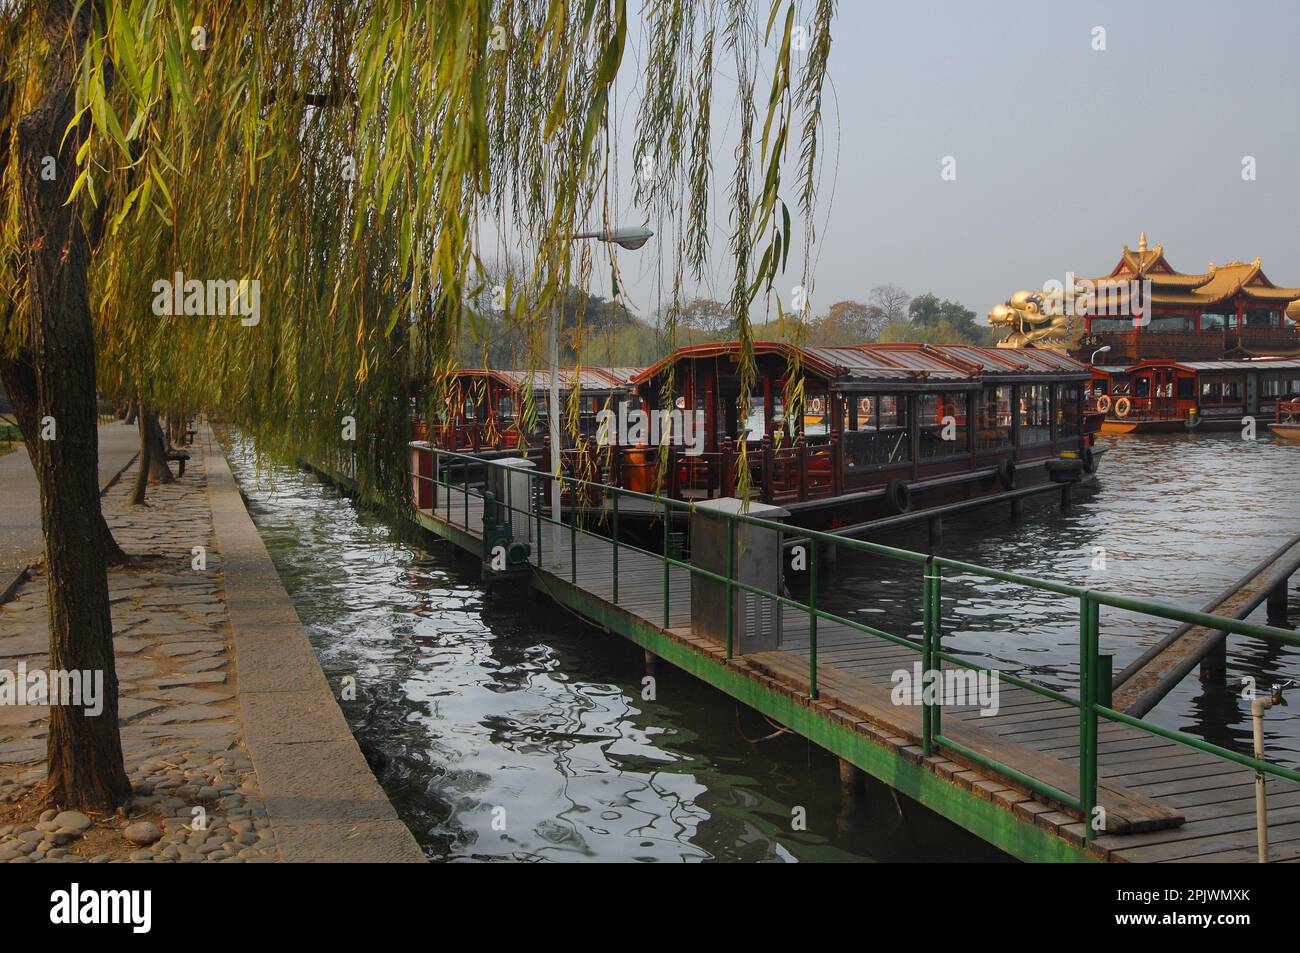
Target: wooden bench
180 456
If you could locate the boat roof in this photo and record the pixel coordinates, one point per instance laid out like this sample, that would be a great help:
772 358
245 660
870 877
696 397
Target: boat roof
902 362
591 379
1258 364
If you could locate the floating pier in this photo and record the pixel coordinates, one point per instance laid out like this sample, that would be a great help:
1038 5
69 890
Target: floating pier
1050 776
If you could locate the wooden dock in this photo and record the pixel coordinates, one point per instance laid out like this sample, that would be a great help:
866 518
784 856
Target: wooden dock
1163 800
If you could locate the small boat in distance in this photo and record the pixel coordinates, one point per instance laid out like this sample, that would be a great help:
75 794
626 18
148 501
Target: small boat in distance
1287 425
1165 396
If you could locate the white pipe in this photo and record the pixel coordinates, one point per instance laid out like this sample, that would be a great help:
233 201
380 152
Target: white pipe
1257 706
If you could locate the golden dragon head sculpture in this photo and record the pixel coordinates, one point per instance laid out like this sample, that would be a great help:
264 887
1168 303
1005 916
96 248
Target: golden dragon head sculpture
1038 319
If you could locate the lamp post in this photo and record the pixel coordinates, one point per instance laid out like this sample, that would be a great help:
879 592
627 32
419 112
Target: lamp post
631 239
1101 350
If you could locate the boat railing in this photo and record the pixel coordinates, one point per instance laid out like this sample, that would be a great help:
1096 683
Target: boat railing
794 470
447 481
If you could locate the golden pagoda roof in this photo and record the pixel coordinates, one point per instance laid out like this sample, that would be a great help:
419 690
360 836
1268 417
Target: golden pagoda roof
1217 283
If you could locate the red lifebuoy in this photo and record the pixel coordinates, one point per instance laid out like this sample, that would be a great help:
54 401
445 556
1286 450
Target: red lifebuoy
1103 403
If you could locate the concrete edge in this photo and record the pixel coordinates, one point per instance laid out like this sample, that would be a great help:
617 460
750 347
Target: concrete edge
323 800
11 588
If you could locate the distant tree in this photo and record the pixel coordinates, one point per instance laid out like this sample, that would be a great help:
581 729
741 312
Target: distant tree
705 314
850 322
945 322
891 300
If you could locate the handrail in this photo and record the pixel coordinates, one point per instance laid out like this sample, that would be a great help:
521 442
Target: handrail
1093 696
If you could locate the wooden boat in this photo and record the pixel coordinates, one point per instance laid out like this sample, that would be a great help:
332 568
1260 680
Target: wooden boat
888 427
485 408
1164 396
1287 425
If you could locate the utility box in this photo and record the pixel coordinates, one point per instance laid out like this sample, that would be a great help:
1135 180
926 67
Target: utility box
758 562
510 482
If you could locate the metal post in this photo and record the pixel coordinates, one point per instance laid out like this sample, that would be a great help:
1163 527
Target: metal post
553 406
812 621
936 646
573 539
927 653
616 496
666 567
1257 706
1087 712
731 589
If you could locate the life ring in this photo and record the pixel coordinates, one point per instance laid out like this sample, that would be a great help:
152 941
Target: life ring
899 496
1103 403
1123 406
1007 474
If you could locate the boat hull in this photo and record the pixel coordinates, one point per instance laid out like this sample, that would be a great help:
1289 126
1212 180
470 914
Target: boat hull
1287 432
1124 425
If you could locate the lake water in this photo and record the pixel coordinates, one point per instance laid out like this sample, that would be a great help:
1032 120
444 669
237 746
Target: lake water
504 728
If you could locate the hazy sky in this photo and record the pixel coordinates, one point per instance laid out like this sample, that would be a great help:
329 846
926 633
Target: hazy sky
1063 153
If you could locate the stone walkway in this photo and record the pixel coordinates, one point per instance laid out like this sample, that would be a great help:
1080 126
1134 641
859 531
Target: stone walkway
197 796
20 503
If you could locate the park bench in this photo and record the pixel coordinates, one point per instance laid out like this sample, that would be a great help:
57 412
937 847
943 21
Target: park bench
180 456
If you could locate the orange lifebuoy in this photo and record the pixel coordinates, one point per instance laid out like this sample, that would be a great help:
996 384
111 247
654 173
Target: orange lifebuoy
1123 406
1103 403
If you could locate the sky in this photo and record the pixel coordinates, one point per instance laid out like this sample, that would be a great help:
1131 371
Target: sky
1063 153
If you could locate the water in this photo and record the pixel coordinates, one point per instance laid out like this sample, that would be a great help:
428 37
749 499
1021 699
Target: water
507 729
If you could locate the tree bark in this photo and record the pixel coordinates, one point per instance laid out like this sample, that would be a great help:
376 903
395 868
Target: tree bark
159 471
142 461
84 751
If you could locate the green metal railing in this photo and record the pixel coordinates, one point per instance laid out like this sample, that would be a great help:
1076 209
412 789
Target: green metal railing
1092 703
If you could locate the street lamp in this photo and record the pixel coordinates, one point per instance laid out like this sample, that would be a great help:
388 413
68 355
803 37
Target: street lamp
631 239
1100 350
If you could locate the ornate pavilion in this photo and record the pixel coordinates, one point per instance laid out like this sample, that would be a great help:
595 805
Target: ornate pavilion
1227 311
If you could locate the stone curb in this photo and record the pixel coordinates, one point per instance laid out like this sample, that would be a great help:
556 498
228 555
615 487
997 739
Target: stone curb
322 799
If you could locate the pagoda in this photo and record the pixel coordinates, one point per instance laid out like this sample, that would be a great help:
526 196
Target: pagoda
1226 311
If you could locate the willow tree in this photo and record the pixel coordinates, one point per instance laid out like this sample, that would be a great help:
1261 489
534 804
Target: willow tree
333 165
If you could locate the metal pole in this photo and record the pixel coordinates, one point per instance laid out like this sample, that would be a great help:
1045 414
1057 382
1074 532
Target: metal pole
553 420
1257 706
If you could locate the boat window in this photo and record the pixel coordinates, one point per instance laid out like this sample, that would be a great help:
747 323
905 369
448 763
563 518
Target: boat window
1067 404
1271 386
994 424
1035 414
816 416
1171 322
1221 391
1186 388
1142 387
941 419
1212 321
506 407
881 436
1111 325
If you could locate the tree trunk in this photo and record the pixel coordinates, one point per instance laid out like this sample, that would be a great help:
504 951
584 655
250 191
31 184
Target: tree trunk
84 751
20 381
159 471
142 461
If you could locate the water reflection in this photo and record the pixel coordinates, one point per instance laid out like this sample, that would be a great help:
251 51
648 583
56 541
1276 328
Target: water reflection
506 729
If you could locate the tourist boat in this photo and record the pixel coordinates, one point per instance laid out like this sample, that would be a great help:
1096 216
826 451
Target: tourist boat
488 409
1287 425
902 426
1164 396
